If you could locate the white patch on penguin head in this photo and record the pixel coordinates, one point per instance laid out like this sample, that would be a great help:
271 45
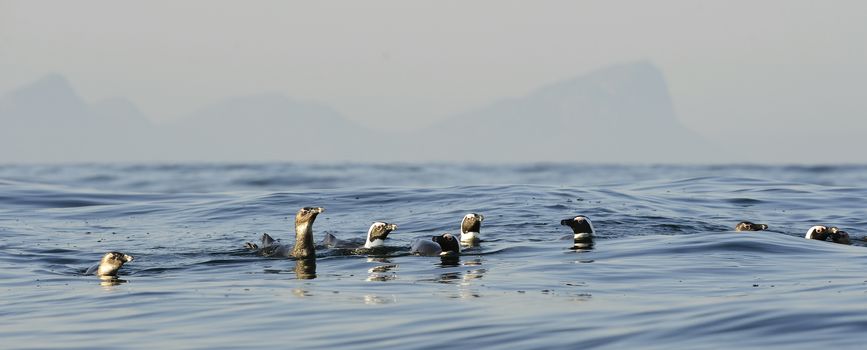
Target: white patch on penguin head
376 225
370 243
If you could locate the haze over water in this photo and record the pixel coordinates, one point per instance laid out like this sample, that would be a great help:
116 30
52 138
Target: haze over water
177 131
667 269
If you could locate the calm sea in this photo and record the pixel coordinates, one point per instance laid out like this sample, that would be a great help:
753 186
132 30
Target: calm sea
667 270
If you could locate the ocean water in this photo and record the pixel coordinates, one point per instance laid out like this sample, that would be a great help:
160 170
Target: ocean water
667 270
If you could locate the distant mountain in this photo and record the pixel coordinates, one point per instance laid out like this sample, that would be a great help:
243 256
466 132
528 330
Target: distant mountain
47 121
620 113
269 127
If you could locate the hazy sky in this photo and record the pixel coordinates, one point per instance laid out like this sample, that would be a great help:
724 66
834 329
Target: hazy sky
770 66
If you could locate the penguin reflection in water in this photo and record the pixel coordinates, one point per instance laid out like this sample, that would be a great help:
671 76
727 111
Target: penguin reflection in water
305 269
582 232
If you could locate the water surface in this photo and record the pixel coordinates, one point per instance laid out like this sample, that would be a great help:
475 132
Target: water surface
667 271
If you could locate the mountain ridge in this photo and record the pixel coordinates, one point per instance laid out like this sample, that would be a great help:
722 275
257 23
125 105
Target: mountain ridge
600 117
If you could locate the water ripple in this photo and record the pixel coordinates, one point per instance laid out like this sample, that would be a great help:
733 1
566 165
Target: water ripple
667 270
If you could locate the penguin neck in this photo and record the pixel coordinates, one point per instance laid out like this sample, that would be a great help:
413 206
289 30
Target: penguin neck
469 236
373 243
583 237
106 270
304 241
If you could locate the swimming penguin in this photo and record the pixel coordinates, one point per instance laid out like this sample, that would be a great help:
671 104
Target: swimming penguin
818 232
109 264
749 226
376 235
442 245
839 236
303 248
582 230
470 228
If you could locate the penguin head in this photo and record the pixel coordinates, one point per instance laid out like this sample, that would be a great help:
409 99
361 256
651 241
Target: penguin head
472 222
581 227
111 262
749 226
448 244
307 215
379 231
818 232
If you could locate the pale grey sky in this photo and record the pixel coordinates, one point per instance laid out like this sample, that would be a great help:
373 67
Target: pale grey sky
775 66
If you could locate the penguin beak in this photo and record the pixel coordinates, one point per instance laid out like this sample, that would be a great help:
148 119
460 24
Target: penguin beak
316 211
391 227
565 222
127 258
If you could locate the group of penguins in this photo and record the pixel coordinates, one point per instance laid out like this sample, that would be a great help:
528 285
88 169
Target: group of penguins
821 233
444 245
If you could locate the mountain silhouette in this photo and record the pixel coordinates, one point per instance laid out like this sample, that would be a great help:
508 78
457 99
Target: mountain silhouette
268 127
621 113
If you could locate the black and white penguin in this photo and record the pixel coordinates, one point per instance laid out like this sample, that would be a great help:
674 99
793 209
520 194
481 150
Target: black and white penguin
442 245
749 226
471 226
818 232
109 264
824 233
582 230
376 235
303 248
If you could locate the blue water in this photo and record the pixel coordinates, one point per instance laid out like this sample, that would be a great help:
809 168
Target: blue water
667 270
